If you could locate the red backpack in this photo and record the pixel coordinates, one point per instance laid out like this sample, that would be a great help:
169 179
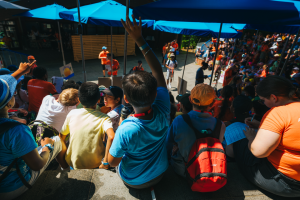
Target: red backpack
206 169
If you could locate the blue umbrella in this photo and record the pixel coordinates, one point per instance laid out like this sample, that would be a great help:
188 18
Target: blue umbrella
199 29
225 11
292 29
105 13
9 9
48 12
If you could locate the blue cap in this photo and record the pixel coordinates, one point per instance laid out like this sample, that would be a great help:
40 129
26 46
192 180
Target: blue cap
104 47
4 71
297 58
242 67
7 88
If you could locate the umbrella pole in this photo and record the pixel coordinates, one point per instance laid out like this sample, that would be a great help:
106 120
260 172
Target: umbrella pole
61 45
125 38
233 48
181 84
111 58
286 61
81 42
282 52
217 48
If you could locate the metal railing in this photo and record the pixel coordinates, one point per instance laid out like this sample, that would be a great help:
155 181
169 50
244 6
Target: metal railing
9 57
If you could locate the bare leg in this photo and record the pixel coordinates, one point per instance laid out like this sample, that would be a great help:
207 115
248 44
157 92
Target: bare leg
103 72
61 156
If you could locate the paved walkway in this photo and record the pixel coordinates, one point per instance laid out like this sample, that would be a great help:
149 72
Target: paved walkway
98 184
52 60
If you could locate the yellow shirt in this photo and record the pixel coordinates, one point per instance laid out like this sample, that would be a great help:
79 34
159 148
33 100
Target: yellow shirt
86 127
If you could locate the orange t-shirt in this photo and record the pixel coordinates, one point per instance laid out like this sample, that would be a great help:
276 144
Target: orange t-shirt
136 68
37 90
263 74
103 54
164 48
216 108
228 73
264 48
32 68
285 120
175 45
114 67
219 57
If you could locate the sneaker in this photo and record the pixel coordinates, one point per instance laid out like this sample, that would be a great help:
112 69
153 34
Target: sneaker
170 85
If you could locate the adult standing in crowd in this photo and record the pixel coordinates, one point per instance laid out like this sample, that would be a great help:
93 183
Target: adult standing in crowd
103 56
114 67
200 72
32 59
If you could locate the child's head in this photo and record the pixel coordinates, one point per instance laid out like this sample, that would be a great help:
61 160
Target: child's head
265 67
30 59
139 89
249 91
241 106
202 96
69 97
89 94
113 96
40 73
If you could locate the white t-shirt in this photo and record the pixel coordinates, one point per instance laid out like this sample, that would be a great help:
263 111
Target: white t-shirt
115 115
53 113
171 63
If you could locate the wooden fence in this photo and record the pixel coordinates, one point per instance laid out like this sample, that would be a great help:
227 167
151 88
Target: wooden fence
92 46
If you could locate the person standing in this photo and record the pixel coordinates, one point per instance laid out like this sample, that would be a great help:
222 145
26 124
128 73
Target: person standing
164 51
229 74
175 45
139 67
102 56
31 59
200 74
171 65
114 67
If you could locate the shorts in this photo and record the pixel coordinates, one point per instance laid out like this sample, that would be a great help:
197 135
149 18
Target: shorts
169 74
103 67
144 185
218 62
35 174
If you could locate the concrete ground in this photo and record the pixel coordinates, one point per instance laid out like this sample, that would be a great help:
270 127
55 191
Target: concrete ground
99 184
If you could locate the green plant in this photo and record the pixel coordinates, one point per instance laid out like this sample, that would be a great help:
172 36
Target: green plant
194 40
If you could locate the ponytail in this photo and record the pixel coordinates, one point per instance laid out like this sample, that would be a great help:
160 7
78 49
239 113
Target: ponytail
226 93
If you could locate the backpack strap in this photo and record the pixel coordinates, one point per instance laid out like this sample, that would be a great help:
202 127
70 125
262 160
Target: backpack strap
7 126
216 132
188 120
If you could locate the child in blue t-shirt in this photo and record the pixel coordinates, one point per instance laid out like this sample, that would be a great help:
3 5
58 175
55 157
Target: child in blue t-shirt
138 150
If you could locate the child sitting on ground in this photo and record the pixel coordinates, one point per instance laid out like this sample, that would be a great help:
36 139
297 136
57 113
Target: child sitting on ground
86 127
54 111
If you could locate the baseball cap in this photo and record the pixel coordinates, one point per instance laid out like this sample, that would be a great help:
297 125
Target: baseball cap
279 39
172 55
104 47
7 88
4 71
101 88
296 75
276 55
202 95
114 91
296 68
185 101
242 67
30 57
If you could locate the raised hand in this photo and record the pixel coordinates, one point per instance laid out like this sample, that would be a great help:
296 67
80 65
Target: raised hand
134 30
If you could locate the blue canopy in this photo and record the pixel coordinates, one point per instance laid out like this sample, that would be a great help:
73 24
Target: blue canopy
46 12
225 11
105 13
199 29
292 29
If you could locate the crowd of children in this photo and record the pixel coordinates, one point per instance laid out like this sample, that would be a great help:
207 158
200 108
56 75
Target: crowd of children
141 131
